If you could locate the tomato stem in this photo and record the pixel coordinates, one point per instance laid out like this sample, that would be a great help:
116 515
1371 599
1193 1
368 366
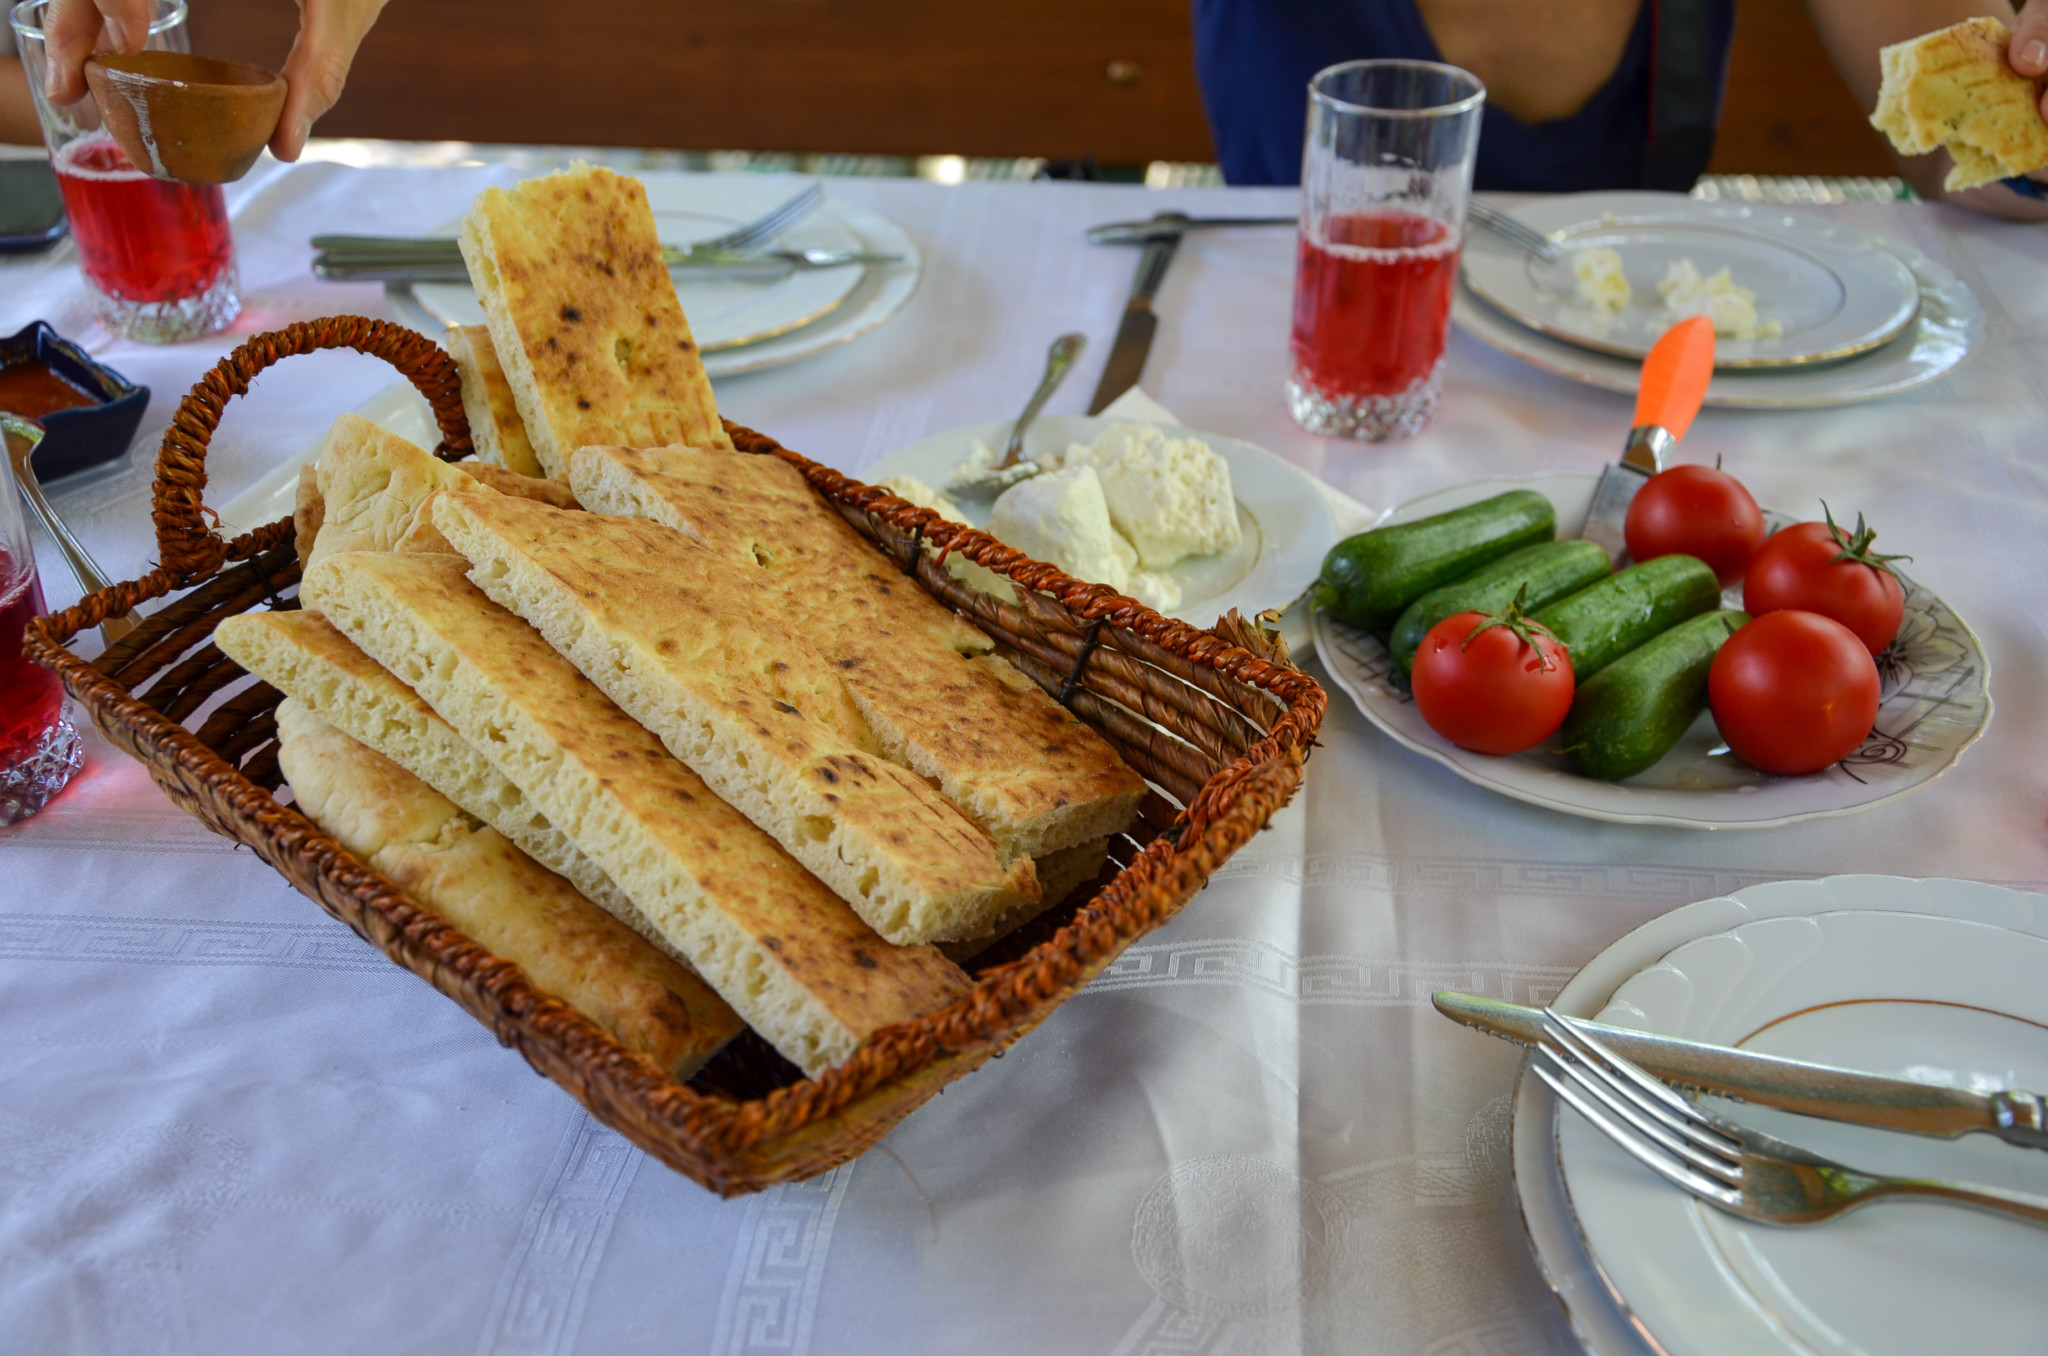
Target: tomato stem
1522 626
1855 547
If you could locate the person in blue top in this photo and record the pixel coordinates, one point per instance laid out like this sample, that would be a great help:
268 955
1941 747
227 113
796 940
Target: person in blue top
1580 94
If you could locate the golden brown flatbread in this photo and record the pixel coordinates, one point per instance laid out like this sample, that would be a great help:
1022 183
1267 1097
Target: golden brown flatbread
495 428
584 316
781 948
478 880
669 631
1001 750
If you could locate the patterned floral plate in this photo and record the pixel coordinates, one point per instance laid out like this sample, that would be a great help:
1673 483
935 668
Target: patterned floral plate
1937 702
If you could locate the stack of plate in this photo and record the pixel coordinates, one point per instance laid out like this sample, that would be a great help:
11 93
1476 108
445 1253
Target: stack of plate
1859 316
1936 981
742 325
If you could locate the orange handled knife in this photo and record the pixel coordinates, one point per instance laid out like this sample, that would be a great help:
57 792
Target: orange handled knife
1675 378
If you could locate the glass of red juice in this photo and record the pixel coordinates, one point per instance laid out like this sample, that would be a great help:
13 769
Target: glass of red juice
1385 174
157 256
39 751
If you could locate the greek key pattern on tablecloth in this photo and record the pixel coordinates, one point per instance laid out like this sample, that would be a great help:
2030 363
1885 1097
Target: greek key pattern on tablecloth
1357 981
538 1307
187 941
778 1267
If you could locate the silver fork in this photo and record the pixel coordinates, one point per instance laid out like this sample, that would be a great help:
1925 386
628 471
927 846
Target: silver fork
1513 230
1744 1171
428 249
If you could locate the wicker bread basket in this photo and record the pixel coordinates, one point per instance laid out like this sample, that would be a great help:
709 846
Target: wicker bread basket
1215 727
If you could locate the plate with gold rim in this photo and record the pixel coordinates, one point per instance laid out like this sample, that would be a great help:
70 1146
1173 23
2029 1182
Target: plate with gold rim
1933 981
1830 292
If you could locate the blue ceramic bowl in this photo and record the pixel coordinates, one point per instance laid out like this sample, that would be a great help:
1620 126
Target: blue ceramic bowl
86 435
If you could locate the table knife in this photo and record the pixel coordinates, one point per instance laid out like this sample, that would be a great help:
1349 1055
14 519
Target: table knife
1674 382
2017 1117
1134 335
1138 232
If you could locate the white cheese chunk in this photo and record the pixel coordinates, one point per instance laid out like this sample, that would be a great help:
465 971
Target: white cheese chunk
1171 497
1062 517
1597 279
1731 306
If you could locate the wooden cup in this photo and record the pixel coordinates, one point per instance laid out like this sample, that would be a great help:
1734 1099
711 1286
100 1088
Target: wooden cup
190 119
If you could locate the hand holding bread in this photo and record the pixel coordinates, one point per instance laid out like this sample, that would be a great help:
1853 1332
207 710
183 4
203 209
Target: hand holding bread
1957 89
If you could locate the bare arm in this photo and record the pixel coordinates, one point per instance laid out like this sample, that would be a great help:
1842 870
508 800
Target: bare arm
329 33
1854 30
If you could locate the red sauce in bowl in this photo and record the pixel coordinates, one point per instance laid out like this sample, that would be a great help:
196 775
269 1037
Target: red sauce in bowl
31 390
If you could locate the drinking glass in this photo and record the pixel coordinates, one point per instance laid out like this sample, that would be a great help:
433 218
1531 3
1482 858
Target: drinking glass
157 256
1385 175
39 751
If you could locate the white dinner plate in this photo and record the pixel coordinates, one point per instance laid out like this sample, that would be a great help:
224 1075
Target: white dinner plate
1937 701
1601 1324
1949 324
1921 995
743 326
1833 291
1287 525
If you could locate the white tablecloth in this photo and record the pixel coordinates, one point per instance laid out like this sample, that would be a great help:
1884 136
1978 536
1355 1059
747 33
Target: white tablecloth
227 1125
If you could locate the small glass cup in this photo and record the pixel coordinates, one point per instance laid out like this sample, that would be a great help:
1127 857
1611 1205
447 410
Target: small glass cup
157 256
1385 174
39 751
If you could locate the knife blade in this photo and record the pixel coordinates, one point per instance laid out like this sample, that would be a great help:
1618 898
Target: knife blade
1674 382
1138 232
2019 1118
1133 343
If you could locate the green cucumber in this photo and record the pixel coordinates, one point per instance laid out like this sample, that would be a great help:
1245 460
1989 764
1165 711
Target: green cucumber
1368 579
1631 713
1550 570
1599 625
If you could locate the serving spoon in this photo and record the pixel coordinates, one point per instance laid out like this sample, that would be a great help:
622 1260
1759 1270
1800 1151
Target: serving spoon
1015 466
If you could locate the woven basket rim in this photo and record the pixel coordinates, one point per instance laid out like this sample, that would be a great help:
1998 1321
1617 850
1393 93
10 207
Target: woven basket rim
729 1137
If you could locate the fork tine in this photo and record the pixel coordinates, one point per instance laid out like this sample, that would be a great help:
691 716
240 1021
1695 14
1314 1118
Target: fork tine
1649 1155
1656 1089
1637 1088
773 223
1594 1082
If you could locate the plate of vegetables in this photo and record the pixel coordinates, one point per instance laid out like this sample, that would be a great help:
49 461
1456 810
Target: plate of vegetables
1527 664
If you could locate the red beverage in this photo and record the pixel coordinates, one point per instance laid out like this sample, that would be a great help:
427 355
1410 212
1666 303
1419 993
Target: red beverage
140 239
1372 304
31 698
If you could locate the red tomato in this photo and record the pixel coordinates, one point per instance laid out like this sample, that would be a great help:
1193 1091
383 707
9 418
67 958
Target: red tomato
1817 567
1484 686
1793 692
1696 511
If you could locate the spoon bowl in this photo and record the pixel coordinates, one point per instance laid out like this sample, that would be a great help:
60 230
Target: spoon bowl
189 119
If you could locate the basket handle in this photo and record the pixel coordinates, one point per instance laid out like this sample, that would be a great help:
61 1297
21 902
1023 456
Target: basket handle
190 549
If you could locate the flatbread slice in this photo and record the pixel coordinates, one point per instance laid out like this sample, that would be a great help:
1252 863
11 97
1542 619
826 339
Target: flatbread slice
584 316
781 948
369 488
495 428
303 656
478 880
1953 88
1006 754
656 622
